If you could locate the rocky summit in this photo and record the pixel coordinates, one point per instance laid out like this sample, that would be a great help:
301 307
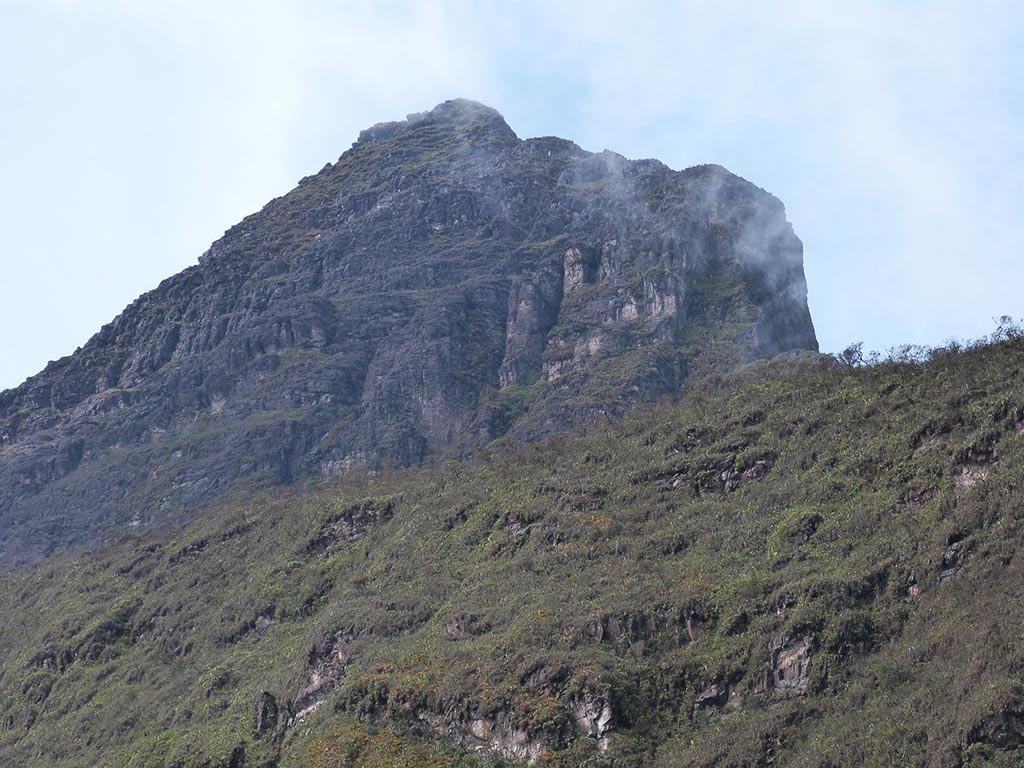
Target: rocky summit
443 285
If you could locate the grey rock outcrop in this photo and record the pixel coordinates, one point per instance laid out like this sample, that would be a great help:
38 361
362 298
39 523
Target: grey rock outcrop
443 284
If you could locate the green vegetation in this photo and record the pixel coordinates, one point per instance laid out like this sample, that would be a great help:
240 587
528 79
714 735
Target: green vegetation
802 564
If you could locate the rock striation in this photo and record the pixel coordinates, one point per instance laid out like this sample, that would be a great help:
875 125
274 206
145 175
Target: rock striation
442 285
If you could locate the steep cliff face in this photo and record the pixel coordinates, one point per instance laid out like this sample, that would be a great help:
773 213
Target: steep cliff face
441 285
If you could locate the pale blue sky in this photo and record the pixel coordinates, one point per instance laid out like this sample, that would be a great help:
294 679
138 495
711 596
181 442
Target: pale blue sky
134 133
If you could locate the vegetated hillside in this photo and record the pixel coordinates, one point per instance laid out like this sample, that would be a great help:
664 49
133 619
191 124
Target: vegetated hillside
443 284
804 564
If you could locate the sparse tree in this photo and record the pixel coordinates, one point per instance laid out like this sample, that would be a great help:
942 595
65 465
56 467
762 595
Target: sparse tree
1007 328
853 355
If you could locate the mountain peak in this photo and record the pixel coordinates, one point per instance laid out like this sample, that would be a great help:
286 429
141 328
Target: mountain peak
441 286
464 115
458 111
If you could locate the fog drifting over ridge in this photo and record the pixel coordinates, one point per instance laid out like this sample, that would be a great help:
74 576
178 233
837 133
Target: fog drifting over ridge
142 132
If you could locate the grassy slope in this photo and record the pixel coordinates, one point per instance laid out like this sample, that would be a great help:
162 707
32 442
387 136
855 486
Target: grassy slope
157 653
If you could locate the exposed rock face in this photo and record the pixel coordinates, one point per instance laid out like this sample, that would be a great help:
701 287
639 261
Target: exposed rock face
592 713
585 710
500 734
326 664
789 665
442 284
715 699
